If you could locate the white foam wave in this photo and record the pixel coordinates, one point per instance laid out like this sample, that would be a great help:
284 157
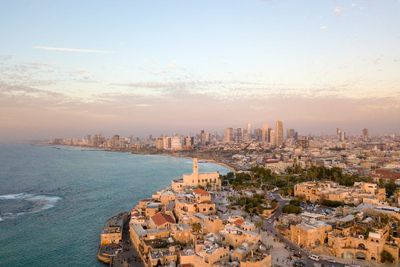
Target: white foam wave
39 203
15 196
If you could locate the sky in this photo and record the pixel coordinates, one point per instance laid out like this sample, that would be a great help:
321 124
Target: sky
69 68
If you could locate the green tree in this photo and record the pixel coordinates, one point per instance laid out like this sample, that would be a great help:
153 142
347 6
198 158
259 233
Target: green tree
196 227
291 209
295 202
390 188
386 257
331 203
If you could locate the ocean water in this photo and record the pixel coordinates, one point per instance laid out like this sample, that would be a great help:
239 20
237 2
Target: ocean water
54 201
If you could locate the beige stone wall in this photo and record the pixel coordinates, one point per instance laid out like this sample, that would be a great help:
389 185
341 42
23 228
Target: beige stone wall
213 225
195 260
217 255
352 247
165 199
177 186
309 238
266 262
236 240
110 238
206 208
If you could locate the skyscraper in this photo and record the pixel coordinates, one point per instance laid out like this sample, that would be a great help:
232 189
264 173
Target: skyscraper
258 134
278 133
249 128
204 138
342 136
365 133
248 132
272 137
228 136
338 131
238 135
265 133
291 134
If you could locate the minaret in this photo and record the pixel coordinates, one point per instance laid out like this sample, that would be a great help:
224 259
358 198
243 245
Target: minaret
195 168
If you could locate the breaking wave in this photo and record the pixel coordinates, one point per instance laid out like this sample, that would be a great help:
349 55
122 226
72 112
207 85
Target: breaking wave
14 205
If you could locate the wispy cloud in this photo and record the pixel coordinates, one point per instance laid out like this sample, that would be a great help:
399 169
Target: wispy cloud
5 57
143 105
73 50
323 27
338 10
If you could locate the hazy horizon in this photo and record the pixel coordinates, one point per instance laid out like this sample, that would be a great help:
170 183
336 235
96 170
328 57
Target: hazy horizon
70 68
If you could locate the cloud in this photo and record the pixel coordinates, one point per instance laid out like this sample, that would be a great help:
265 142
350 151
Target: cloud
323 27
143 105
338 10
73 50
21 91
172 64
5 57
28 112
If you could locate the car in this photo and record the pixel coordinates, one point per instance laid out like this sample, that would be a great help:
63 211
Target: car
297 254
314 257
299 263
331 260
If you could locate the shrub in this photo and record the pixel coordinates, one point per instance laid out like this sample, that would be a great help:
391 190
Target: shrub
331 203
386 257
291 209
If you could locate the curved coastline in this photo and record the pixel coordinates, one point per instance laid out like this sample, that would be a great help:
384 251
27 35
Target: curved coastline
99 186
158 153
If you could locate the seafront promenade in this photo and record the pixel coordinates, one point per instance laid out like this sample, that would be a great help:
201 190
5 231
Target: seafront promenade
128 257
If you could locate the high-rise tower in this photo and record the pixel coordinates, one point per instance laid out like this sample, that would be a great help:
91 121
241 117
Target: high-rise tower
278 133
265 133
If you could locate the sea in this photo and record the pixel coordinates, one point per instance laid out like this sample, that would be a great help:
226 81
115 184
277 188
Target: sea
54 200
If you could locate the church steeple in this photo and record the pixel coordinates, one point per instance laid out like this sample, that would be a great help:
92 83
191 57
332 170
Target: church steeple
195 167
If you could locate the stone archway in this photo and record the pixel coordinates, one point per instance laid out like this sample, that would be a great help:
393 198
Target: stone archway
347 255
361 246
360 255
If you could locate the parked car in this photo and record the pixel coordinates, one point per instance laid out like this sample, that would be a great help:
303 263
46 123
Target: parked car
299 263
297 254
314 257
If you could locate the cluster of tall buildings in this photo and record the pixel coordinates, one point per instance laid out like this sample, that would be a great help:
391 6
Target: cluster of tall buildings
266 134
271 137
181 142
342 136
175 142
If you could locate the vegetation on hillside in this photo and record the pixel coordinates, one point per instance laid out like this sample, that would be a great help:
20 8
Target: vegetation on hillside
263 178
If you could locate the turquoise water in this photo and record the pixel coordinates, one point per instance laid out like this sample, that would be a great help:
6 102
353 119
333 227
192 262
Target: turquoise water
54 202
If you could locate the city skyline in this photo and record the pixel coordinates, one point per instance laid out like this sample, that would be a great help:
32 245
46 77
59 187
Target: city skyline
67 69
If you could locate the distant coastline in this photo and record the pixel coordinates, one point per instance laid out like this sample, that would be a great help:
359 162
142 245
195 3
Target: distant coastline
188 155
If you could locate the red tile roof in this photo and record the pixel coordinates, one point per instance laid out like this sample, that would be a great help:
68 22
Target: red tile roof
238 221
162 218
199 191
